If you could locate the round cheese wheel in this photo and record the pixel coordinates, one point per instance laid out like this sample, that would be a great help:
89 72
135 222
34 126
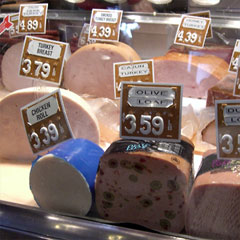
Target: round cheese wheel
90 69
63 180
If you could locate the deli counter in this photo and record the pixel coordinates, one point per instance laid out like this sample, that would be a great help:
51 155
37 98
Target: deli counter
205 76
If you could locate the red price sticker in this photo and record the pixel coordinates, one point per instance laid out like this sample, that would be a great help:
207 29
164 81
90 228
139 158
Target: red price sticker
45 122
192 31
105 25
228 128
151 111
43 59
32 18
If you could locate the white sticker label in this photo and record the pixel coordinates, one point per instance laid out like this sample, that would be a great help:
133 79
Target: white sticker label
194 23
33 10
41 49
106 17
134 70
42 110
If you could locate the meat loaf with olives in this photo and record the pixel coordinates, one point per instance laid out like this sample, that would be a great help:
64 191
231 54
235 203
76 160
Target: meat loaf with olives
145 183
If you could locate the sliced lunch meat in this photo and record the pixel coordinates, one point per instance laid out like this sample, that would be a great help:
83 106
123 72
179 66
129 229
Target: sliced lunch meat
14 144
90 69
222 90
63 180
196 73
213 209
145 183
10 70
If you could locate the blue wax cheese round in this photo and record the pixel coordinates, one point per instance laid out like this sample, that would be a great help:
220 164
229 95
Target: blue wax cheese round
63 180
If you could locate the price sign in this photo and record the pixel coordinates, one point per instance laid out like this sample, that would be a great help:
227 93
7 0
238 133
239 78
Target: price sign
105 25
192 31
45 122
205 14
137 71
32 18
43 59
13 31
233 66
228 128
83 38
151 111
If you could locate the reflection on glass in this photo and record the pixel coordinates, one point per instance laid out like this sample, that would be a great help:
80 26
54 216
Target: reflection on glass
207 2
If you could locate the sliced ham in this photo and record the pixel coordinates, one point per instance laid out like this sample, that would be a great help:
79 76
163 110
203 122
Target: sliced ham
222 90
90 69
196 73
13 139
214 205
145 183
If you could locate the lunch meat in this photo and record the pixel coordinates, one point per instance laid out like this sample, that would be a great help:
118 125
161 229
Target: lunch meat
90 69
196 73
144 183
214 205
14 143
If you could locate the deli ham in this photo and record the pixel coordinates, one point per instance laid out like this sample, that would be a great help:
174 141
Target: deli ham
145 183
14 144
90 69
196 73
214 205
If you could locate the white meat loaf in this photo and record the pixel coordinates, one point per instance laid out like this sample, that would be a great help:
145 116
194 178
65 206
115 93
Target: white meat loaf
196 73
13 140
214 204
10 68
90 69
145 183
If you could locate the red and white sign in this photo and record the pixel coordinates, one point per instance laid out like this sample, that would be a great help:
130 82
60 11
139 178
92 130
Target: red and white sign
5 25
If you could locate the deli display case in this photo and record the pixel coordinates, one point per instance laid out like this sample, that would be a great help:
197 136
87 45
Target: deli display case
197 188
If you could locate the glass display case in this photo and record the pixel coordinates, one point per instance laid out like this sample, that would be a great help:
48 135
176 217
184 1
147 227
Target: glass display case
149 27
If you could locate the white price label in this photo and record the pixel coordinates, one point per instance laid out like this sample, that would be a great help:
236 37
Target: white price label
105 25
192 31
45 122
227 125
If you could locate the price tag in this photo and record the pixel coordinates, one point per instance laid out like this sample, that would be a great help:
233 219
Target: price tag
45 122
233 66
13 31
105 25
43 59
32 18
192 31
228 128
137 71
205 14
83 38
151 111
